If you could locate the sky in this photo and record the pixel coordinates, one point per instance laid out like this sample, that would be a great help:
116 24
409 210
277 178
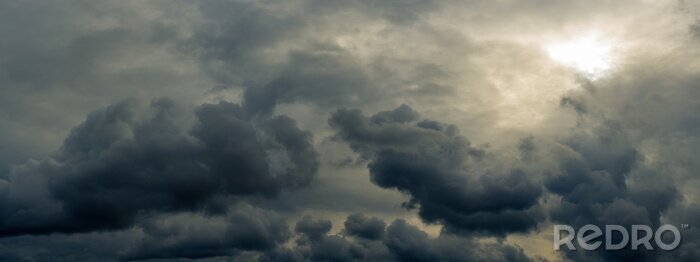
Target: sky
325 130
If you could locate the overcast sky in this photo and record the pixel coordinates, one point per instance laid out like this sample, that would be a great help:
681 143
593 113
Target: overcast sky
324 130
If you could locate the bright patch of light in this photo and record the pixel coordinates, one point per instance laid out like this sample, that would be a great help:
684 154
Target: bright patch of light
590 54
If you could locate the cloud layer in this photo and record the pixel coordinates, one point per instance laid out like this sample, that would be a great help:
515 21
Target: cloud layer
313 130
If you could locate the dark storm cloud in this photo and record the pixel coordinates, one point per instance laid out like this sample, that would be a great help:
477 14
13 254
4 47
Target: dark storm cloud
397 242
244 229
118 165
433 166
365 227
409 243
593 182
313 229
315 244
250 233
623 165
58 247
262 234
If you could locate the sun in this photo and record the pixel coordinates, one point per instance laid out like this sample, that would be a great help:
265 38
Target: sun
590 54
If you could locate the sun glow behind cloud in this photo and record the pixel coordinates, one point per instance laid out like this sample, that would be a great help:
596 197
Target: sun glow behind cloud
591 54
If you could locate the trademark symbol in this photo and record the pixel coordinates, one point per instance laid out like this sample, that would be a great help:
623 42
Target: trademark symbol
685 226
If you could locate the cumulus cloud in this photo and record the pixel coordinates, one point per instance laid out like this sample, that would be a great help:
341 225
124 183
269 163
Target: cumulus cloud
400 242
119 165
432 164
365 227
610 170
251 233
190 236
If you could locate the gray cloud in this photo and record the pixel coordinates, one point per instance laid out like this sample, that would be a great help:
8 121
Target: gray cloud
365 227
243 229
411 244
401 242
118 166
610 170
432 166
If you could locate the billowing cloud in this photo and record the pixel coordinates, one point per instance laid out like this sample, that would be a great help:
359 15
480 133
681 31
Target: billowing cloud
432 163
120 165
365 227
610 170
399 241
244 229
